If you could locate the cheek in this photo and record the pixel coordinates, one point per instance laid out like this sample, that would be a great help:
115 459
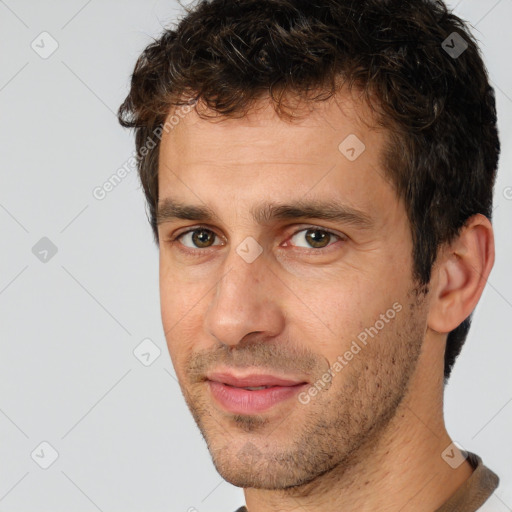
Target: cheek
177 296
182 307
174 305
346 311
324 313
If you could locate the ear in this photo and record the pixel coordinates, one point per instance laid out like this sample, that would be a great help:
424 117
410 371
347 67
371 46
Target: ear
460 274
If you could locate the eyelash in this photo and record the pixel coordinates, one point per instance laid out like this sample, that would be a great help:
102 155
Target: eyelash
199 252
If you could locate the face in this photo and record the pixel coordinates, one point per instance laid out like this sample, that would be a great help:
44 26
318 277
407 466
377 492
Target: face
292 270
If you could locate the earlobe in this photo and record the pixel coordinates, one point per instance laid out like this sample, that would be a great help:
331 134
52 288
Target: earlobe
460 275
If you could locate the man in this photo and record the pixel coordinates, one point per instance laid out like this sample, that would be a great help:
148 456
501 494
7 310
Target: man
319 180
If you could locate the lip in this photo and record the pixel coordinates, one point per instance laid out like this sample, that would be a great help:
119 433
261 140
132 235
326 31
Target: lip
227 390
252 380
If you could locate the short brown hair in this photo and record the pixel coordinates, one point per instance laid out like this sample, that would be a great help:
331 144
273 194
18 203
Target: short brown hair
438 107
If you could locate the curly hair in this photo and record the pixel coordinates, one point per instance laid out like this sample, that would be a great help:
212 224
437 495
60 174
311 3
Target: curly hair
437 106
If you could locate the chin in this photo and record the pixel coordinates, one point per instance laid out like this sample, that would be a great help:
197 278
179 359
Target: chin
250 469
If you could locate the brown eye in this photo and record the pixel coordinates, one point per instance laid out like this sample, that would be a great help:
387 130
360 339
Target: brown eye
199 238
314 238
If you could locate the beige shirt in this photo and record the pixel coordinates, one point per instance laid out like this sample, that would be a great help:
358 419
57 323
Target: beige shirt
471 495
475 491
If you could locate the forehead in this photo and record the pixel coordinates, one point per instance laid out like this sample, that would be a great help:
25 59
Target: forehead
342 114
330 150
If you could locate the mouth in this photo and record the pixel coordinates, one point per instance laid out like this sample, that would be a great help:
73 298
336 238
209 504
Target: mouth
254 393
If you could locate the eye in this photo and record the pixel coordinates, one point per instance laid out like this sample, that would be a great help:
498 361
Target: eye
314 237
198 238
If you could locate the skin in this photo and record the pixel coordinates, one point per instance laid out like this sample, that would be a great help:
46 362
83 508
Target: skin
373 438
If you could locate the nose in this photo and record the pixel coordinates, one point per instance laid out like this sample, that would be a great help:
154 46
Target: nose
246 299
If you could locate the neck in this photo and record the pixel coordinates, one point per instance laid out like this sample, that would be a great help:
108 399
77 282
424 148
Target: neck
401 469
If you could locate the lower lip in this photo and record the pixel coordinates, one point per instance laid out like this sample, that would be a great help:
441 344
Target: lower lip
244 401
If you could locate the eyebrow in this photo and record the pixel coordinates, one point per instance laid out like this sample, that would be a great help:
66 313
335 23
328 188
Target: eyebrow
264 213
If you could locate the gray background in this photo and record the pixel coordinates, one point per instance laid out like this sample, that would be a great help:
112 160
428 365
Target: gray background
69 325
